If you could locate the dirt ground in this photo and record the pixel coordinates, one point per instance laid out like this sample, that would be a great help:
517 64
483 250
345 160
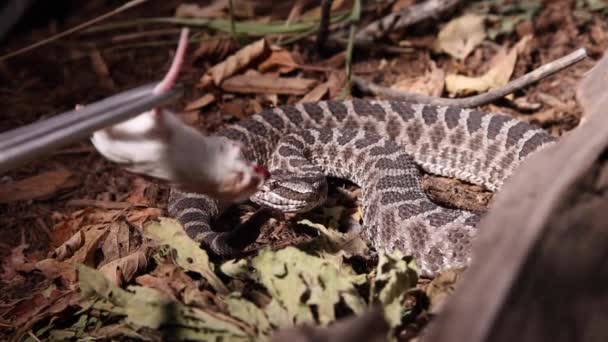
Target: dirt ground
86 67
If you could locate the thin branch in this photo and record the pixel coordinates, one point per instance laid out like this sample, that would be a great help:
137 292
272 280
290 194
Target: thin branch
406 17
481 99
323 25
77 28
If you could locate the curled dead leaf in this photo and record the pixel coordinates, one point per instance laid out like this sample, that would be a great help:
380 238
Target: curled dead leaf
461 35
499 74
121 271
67 249
280 60
432 83
234 63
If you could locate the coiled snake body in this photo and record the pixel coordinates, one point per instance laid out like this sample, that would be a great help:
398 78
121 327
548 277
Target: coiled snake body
376 144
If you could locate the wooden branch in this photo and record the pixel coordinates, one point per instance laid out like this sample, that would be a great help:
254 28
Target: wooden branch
481 99
408 16
539 265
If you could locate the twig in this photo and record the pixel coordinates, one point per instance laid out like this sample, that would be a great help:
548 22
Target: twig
481 99
86 24
323 25
406 17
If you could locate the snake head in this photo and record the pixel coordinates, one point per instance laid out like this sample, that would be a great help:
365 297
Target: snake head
292 192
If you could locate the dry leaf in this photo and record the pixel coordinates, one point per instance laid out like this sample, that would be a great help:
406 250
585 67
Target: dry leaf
317 93
53 269
121 271
233 64
93 236
268 84
337 82
66 227
137 195
201 102
213 10
431 83
67 249
11 264
39 186
118 242
214 48
159 284
503 64
138 217
461 35
280 60
402 4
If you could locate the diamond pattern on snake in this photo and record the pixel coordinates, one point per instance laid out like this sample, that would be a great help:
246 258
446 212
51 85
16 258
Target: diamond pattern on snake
379 145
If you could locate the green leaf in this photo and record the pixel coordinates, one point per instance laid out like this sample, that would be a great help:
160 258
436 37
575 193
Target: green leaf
301 283
393 277
146 307
249 313
188 253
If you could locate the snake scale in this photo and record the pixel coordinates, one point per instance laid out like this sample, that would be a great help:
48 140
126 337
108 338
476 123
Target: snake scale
378 145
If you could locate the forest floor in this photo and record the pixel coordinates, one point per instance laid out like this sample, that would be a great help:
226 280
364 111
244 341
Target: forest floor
75 195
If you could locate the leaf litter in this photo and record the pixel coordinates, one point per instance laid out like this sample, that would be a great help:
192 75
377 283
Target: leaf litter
125 272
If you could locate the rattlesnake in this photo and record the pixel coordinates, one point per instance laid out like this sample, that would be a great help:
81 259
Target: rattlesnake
374 141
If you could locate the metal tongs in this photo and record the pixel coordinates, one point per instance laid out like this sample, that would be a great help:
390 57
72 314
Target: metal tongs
37 140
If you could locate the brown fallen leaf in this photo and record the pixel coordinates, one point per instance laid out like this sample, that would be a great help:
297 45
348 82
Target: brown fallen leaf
66 227
499 74
41 307
138 217
461 35
93 237
53 269
121 271
12 264
214 49
401 4
157 283
337 82
316 94
68 248
440 288
117 243
267 84
234 63
432 83
201 102
40 186
137 195
280 60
